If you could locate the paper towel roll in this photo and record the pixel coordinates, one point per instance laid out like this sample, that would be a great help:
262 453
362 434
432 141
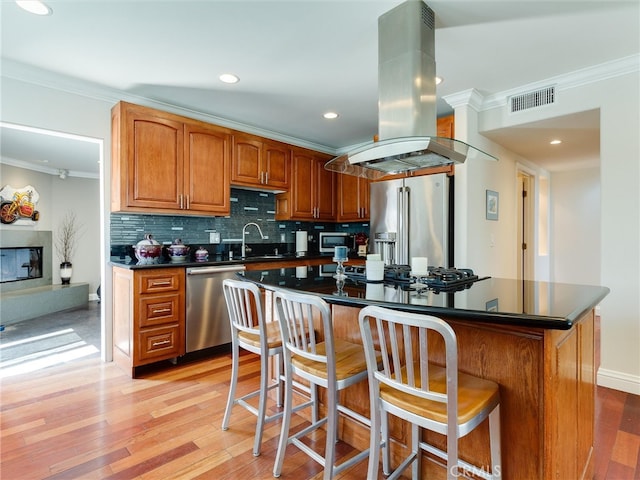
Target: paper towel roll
301 243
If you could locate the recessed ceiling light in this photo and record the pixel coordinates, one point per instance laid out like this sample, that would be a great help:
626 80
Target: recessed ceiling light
439 80
229 78
330 115
555 142
35 6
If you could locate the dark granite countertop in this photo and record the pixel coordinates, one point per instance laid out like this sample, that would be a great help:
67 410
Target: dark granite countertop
218 260
492 300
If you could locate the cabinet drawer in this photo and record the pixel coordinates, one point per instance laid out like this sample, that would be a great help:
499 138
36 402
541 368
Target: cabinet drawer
159 309
158 282
165 342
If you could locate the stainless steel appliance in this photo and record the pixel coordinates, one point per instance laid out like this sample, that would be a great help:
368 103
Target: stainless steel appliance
411 217
330 240
207 321
407 101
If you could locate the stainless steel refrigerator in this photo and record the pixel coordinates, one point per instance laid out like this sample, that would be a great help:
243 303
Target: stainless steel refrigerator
412 217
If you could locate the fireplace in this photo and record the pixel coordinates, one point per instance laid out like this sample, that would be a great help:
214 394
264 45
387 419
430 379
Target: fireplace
26 260
18 264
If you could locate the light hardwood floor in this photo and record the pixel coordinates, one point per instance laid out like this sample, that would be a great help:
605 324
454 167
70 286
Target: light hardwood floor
89 420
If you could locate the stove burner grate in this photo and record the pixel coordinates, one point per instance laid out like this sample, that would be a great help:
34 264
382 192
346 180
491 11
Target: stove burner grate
437 278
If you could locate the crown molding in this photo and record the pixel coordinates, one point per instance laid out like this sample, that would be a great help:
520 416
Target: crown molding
578 78
49 171
472 98
596 73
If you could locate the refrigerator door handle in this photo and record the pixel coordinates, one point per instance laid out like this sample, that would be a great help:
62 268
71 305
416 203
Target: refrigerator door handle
402 244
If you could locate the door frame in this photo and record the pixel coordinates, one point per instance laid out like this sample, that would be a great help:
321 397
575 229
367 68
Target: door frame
526 223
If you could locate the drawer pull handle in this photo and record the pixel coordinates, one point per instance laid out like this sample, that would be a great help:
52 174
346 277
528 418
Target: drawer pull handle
157 344
160 284
161 310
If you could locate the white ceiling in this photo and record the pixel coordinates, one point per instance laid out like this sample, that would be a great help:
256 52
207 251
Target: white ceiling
299 59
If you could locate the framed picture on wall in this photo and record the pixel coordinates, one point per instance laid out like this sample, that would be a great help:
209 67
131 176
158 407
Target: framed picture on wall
492 205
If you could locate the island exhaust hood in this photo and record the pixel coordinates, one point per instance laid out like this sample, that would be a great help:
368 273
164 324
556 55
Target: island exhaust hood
407 101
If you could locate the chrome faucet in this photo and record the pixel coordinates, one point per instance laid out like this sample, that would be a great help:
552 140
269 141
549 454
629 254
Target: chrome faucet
244 233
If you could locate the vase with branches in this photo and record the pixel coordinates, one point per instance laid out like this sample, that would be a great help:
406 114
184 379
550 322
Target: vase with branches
66 240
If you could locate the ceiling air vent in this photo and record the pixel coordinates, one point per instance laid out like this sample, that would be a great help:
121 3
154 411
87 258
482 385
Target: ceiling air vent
537 98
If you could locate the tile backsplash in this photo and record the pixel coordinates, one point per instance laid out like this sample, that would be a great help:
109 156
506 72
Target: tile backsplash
127 229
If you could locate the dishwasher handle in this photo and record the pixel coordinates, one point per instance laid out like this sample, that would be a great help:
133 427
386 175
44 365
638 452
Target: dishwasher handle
215 269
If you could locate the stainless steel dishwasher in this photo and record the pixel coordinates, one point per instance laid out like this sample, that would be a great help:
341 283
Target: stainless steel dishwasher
207 323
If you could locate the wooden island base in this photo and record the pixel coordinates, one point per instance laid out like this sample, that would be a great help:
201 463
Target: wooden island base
547 388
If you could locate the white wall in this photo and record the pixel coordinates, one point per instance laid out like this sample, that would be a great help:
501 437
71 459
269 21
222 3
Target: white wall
486 246
57 196
27 100
576 217
618 99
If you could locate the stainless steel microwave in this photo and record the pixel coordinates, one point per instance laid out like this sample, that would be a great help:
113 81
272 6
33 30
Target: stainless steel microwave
330 240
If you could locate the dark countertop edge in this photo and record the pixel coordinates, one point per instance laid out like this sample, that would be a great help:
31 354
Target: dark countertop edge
481 316
210 263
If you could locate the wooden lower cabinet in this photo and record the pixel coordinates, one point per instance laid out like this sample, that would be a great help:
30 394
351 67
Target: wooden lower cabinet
547 389
148 316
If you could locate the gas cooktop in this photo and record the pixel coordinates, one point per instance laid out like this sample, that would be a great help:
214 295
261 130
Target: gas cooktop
437 279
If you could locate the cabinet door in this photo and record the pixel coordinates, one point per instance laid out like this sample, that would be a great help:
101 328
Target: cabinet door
302 189
445 126
277 164
208 161
352 197
325 190
155 344
247 160
152 146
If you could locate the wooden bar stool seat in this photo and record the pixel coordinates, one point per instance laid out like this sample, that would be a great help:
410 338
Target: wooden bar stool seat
322 361
438 398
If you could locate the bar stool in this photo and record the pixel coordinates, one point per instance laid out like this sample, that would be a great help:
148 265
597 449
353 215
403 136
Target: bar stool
250 332
428 396
330 363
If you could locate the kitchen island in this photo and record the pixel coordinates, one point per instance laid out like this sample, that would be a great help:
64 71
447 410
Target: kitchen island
535 339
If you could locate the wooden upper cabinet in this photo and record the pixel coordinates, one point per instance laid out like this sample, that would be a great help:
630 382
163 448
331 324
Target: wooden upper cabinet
258 162
445 126
148 168
165 163
208 159
277 161
353 198
312 195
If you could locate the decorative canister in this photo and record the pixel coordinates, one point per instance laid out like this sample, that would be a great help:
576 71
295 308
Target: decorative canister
178 251
202 254
147 250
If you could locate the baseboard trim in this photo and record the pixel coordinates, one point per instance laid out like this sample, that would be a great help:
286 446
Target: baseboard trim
619 381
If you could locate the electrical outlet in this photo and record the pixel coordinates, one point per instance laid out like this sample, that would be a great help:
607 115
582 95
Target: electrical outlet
214 237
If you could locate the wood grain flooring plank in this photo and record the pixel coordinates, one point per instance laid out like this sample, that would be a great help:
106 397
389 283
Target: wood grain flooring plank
152 462
82 470
630 421
626 448
191 465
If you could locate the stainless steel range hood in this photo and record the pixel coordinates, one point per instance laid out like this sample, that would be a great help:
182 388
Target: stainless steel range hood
407 122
